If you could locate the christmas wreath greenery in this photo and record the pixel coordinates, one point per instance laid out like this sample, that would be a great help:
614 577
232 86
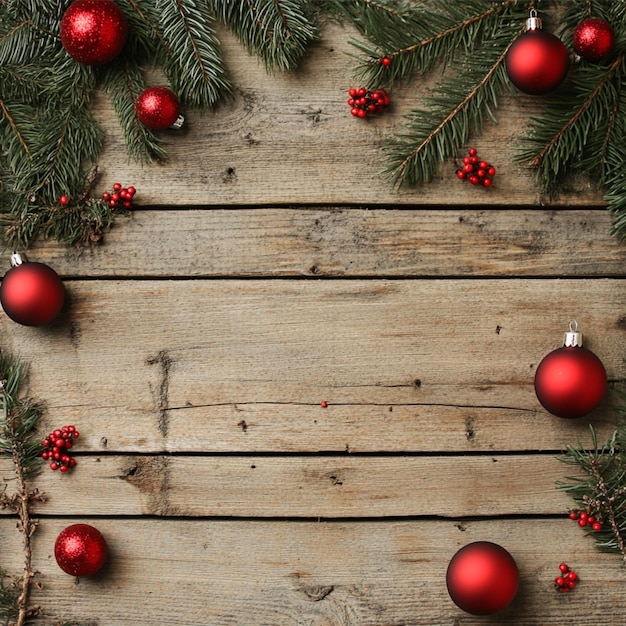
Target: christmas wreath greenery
50 141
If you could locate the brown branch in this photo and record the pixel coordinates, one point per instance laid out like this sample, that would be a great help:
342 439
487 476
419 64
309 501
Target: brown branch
13 125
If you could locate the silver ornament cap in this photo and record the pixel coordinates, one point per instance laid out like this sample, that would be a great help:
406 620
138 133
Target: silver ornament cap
17 258
572 338
534 21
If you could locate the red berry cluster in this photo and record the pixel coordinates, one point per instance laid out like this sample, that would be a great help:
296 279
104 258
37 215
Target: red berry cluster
476 171
56 448
585 519
567 580
120 196
363 101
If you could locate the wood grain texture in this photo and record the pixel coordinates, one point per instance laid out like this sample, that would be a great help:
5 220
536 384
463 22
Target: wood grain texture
345 242
318 574
143 363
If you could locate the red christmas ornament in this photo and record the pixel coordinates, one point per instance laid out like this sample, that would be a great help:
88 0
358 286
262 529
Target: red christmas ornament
158 108
93 31
80 550
537 62
593 39
571 380
31 294
482 578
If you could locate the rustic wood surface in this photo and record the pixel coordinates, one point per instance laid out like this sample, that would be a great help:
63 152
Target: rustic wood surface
268 269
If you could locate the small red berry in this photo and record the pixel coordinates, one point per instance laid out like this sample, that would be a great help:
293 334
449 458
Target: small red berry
491 171
473 179
573 515
596 526
564 588
559 581
131 191
386 61
582 522
472 151
324 404
361 91
54 466
64 200
487 182
571 576
63 468
117 186
564 568
571 584
460 174
352 92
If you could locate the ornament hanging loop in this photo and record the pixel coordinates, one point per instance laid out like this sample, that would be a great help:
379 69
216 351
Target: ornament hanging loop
534 21
573 338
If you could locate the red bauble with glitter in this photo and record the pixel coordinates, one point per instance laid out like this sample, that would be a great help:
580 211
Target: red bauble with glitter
80 550
571 380
93 31
537 62
482 578
158 108
593 39
31 294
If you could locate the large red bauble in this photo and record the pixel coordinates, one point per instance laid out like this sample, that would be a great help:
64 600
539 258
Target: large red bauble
93 31
570 381
157 108
482 578
32 294
80 550
593 39
537 62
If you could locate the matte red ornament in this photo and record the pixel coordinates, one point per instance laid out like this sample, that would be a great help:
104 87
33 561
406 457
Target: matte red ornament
570 381
93 32
158 108
537 62
593 39
482 578
80 550
31 294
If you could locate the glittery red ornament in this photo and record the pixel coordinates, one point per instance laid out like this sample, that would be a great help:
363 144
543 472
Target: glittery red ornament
571 380
31 294
593 39
158 108
482 578
537 62
93 31
80 550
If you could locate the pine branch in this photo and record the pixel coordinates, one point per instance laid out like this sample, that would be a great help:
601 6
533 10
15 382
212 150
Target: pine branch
18 419
600 489
455 110
279 31
195 66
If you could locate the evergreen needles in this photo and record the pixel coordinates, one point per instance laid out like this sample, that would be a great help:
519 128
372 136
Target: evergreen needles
19 417
600 489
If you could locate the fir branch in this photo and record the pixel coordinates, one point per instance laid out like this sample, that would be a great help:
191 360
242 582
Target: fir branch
279 31
18 419
195 68
455 110
600 489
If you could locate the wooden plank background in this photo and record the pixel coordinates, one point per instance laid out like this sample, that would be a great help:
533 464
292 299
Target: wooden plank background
268 269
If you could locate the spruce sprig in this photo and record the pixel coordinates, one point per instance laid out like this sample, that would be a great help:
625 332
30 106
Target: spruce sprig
600 487
19 417
454 110
278 31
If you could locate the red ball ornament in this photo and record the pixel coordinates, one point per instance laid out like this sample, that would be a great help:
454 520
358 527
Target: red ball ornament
593 39
93 31
158 108
482 578
571 380
80 550
537 62
31 294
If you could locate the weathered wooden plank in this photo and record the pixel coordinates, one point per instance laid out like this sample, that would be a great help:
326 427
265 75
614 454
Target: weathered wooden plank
307 486
146 365
349 242
318 574
291 139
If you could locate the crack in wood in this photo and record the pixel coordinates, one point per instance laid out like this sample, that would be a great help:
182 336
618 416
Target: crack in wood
164 361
